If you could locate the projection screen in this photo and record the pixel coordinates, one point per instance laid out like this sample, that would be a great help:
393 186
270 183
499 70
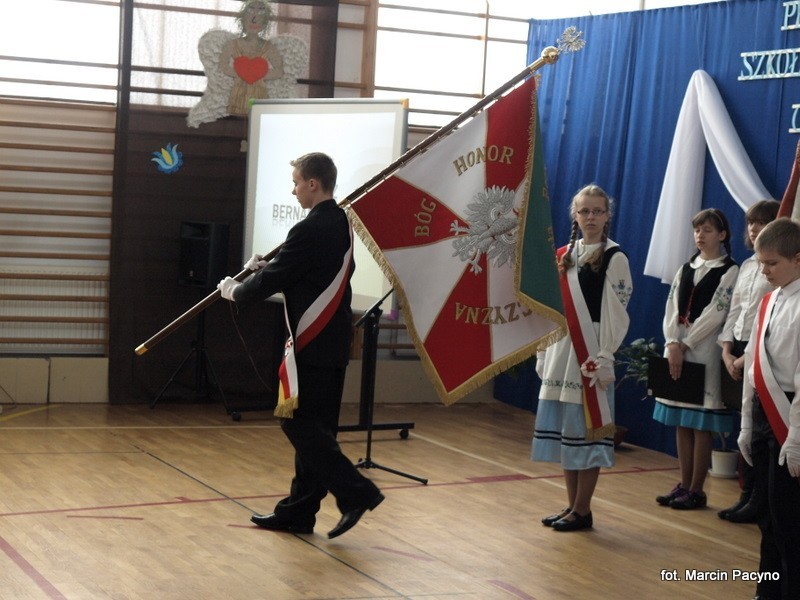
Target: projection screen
363 136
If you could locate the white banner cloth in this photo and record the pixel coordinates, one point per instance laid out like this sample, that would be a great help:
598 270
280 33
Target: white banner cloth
703 123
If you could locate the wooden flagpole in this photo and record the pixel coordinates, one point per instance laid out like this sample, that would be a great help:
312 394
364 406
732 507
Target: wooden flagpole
570 41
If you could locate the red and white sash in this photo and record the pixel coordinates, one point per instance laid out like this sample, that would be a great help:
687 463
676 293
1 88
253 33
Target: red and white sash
311 323
584 340
772 397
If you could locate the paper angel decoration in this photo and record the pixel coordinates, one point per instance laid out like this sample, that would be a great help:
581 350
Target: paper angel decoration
242 67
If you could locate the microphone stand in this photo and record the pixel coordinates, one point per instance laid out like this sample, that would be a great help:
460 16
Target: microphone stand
205 378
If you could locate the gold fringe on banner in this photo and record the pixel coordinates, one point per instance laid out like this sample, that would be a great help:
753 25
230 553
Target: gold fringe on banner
593 435
286 407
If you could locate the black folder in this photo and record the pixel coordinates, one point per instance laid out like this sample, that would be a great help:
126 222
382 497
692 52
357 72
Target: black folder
689 387
730 389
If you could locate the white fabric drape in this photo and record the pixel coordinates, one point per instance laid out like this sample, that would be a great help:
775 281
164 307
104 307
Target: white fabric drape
703 123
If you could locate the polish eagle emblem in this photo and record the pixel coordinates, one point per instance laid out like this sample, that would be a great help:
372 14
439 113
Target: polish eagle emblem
492 229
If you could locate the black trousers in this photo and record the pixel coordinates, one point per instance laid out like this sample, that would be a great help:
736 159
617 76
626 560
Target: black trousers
320 465
748 477
779 517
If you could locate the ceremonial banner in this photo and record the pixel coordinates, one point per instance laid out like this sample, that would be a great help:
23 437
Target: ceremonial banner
790 207
445 228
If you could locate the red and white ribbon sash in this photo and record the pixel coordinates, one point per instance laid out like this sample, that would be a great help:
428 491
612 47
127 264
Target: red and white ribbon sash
586 344
311 323
772 397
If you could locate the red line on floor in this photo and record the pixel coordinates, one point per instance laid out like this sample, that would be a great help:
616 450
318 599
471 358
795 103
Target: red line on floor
511 589
27 568
499 478
140 505
121 518
406 554
183 500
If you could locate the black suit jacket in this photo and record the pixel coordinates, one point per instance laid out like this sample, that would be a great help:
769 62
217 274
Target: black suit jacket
304 267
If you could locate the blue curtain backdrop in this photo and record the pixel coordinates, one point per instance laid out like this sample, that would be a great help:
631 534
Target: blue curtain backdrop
608 115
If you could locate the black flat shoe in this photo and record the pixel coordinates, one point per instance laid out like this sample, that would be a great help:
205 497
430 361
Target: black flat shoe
665 499
548 521
690 501
575 523
351 517
275 523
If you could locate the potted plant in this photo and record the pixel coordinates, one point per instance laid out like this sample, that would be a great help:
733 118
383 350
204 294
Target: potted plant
634 357
724 461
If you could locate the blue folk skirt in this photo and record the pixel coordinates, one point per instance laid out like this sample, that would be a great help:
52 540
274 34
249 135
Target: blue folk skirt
696 417
559 435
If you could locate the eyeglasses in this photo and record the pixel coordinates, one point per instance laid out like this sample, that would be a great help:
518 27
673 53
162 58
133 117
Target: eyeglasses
595 212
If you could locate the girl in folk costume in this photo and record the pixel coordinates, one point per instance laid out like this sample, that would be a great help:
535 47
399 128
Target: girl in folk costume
575 419
697 306
751 285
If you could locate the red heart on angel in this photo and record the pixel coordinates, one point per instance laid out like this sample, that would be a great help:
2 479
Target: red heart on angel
250 69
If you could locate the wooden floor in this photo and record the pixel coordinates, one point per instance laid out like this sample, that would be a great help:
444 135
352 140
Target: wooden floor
121 502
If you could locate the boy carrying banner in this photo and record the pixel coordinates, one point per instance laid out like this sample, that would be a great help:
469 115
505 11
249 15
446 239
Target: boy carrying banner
313 269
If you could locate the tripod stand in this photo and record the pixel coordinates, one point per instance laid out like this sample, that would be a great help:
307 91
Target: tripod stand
368 365
202 367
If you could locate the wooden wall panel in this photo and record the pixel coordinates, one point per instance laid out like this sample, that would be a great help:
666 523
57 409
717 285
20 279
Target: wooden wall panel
148 209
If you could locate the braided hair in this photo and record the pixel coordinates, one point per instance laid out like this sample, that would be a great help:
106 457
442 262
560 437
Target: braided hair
596 260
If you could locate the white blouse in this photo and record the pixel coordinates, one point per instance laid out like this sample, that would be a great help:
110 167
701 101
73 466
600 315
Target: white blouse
751 285
710 321
558 366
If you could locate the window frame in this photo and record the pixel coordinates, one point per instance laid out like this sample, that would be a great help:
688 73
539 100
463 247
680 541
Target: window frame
458 100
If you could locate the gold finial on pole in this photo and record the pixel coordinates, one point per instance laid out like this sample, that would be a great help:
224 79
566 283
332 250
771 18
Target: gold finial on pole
571 40
550 55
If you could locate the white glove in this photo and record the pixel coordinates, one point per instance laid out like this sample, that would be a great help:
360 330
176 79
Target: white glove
600 372
255 262
745 442
790 456
226 287
540 364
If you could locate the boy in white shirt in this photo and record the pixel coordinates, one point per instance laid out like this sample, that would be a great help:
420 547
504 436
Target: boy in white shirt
770 433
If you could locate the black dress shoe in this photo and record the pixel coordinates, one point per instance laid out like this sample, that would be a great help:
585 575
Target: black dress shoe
575 523
744 498
275 523
351 517
548 521
746 514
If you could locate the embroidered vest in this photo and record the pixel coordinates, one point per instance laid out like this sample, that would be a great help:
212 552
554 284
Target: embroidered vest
592 281
692 299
